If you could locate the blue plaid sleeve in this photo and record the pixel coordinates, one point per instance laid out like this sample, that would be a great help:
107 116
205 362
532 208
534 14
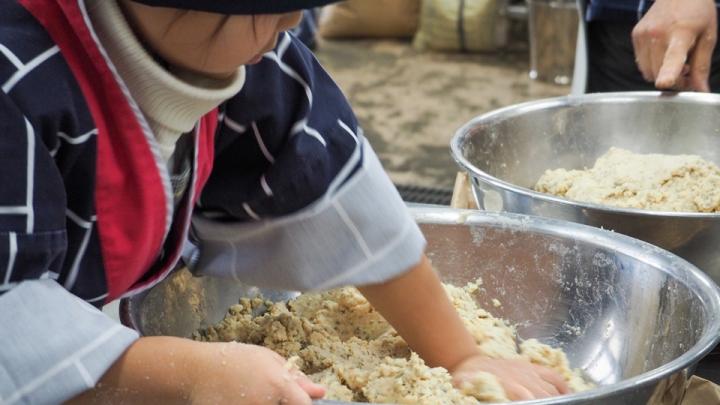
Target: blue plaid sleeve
54 344
298 199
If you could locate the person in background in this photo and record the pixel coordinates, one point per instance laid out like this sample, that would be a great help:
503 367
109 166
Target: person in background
646 45
635 45
124 123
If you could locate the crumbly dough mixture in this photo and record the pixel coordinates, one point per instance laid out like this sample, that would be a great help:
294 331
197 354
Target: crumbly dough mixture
341 342
683 183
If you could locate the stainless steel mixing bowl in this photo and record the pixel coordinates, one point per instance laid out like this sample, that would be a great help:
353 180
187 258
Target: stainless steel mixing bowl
633 317
506 151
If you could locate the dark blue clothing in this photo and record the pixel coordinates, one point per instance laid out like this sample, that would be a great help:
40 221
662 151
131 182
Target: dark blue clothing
617 10
306 32
284 193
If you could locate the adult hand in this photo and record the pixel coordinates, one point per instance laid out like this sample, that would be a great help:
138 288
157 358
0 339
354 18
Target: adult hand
674 43
520 379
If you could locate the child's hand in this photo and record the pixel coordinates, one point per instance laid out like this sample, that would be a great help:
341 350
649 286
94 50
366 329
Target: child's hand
417 306
235 373
520 379
170 370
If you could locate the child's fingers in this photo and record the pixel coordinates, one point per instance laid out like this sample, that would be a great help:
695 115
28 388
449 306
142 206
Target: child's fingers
295 395
553 378
315 391
517 392
538 387
550 389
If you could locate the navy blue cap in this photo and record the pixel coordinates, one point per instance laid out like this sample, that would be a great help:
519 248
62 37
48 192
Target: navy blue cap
245 7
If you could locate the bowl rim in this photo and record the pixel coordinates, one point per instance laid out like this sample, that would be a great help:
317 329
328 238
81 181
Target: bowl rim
694 278
705 289
597 98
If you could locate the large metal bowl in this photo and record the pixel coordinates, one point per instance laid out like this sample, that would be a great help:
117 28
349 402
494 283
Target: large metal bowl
506 151
635 318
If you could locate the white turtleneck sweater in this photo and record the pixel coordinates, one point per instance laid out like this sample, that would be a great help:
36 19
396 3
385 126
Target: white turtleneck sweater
172 103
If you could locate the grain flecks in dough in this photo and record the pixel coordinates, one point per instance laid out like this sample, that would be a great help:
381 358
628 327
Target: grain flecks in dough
620 178
342 343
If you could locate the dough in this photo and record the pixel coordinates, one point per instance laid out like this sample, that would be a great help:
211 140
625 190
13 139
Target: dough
342 343
683 183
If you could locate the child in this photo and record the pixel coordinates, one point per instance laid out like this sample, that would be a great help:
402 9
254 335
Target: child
123 122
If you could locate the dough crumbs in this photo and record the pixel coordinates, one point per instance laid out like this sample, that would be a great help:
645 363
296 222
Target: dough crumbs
485 387
292 363
620 178
340 341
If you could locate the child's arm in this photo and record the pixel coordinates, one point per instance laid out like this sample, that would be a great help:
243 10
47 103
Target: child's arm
298 207
181 371
311 206
418 308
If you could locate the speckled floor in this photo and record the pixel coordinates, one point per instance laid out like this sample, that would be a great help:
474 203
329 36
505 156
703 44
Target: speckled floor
411 103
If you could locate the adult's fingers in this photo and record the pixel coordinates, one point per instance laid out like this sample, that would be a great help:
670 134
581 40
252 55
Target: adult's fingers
657 53
676 55
686 70
700 61
642 52
553 378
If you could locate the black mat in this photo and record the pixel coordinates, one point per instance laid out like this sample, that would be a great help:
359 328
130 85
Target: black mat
425 195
